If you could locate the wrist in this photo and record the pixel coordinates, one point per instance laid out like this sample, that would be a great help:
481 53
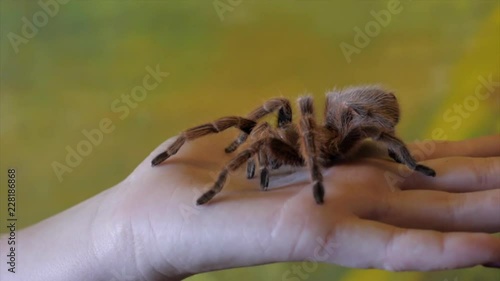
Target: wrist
137 254
90 241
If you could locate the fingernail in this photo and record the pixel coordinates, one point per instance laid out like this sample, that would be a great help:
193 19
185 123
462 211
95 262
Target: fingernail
492 264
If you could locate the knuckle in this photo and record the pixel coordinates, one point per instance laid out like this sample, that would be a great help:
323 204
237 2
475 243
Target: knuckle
486 172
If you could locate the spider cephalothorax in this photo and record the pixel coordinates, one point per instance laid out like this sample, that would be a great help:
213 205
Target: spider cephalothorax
351 115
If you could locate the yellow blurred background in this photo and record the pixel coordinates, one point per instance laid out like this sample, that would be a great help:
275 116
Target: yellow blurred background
225 57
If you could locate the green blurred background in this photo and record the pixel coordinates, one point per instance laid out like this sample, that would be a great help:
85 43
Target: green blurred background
226 57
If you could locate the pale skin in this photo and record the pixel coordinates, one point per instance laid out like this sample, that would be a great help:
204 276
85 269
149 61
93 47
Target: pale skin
147 227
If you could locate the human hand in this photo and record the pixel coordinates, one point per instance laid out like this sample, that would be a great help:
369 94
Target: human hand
377 214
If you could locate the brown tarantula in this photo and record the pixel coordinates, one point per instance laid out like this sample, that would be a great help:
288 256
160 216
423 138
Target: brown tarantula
351 115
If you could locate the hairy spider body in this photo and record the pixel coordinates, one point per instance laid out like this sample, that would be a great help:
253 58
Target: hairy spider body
351 115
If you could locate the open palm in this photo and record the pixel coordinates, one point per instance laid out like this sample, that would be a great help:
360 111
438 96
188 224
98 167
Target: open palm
376 214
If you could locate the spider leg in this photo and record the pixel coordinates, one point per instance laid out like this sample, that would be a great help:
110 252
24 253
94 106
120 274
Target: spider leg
263 131
284 153
236 143
391 152
275 164
394 155
402 153
250 168
217 126
281 152
396 148
355 135
360 133
235 163
308 130
276 152
270 106
264 168
329 112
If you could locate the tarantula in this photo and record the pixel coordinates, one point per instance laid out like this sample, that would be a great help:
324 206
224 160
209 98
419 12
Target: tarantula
351 115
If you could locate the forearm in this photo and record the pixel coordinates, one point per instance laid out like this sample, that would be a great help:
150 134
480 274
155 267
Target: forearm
85 242
60 247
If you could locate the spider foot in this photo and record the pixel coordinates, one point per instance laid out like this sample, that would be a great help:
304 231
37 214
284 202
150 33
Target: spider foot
232 147
207 196
160 158
250 169
425 170
275 164
318 192
264 179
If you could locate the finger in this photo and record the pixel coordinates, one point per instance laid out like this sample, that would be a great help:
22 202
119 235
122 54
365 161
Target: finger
456 174
435 210
478 147
370 244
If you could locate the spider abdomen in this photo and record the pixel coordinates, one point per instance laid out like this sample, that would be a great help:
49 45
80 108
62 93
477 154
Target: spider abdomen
361 106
